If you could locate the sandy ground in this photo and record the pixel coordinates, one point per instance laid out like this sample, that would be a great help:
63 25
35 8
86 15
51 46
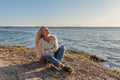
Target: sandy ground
19 63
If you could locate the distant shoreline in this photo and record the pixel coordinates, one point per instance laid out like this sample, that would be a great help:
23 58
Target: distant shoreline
65 26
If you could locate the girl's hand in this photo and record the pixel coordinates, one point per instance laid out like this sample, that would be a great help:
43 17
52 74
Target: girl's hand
53 50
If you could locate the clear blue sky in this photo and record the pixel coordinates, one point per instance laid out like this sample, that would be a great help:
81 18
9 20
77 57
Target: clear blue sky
60 12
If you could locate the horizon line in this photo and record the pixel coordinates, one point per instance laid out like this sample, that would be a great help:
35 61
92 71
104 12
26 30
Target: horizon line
54 26
68 26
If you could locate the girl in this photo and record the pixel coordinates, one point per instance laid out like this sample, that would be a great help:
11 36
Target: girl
47 49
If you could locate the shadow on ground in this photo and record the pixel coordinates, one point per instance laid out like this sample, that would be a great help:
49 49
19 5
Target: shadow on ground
30 71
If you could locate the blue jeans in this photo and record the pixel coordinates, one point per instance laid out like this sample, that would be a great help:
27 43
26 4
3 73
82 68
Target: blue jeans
56 58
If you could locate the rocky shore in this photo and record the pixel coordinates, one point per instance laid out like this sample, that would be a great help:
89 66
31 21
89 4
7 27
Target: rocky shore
19 63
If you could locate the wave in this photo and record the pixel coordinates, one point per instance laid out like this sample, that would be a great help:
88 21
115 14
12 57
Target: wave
112 41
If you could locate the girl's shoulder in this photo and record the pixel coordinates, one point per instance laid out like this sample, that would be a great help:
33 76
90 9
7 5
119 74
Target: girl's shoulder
53 37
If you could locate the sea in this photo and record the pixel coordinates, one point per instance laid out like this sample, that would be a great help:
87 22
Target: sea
100 41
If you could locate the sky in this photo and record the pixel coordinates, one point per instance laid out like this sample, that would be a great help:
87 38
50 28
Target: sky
60 13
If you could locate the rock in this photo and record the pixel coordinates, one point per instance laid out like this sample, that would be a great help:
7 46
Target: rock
96 58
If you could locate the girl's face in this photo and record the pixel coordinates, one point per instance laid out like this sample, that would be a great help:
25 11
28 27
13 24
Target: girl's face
45 31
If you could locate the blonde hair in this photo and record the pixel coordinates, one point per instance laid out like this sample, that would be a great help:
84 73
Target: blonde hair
37 41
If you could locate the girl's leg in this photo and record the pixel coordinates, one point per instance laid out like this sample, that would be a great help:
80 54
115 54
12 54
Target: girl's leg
59 53
50 58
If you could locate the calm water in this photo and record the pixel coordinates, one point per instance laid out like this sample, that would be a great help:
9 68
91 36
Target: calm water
104 42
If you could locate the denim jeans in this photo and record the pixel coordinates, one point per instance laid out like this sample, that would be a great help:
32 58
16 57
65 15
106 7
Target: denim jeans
56 58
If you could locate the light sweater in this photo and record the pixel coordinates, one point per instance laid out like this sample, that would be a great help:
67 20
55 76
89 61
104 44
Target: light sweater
47 46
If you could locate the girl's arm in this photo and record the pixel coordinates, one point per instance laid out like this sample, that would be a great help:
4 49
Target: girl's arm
55 43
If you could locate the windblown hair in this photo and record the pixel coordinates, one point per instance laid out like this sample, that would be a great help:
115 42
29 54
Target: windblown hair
37 41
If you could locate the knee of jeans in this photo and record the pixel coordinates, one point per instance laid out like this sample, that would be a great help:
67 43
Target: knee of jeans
63 48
